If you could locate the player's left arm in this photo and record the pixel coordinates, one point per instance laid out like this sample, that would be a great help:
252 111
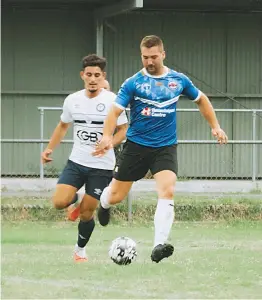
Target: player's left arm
206 109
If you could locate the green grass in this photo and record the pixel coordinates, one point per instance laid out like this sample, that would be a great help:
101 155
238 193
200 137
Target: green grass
147 198
187 208
211 260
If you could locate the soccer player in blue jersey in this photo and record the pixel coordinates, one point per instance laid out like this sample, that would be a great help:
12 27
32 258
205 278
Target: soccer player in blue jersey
152 94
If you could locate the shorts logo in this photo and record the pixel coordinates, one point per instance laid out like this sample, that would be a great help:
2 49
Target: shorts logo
173 85
116 169
146 111
97 192
100 107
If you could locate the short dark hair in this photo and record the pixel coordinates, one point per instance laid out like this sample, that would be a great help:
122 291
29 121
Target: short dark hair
93 60
150 41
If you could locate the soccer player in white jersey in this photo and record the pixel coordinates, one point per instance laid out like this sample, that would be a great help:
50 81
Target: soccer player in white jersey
152 94
87 110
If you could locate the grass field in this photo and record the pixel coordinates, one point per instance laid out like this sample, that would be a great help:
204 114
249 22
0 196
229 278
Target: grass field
211 260
146 198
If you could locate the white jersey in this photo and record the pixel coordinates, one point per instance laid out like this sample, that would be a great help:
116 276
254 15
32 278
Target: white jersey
88 115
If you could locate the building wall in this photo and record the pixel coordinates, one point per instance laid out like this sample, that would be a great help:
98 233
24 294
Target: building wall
224 51
41 55
41 60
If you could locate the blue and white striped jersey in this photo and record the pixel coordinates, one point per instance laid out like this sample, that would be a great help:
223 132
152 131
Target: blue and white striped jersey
153 101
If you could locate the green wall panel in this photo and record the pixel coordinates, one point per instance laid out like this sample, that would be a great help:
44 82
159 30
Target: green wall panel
41 55
194 43
244 54
24 123
42 49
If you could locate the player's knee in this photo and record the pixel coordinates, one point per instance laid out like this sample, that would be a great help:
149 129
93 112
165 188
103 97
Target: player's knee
87 214
117 196
167 193
59 203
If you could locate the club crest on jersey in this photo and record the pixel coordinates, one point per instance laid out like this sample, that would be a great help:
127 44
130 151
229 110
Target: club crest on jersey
173 85
146 111
145 87
100 107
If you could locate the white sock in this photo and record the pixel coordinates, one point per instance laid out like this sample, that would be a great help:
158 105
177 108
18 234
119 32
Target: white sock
80 251
80 197
104 198
163 220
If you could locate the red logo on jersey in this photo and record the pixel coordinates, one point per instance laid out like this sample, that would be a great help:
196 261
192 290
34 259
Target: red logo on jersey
146 111
172 85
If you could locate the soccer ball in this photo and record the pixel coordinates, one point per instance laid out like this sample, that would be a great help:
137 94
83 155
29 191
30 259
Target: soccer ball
123 251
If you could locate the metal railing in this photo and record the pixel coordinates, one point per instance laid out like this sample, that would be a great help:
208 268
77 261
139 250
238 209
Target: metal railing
253 141
42 110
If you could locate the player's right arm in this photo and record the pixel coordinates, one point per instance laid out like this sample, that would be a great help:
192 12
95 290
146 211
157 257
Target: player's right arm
58 134
124 96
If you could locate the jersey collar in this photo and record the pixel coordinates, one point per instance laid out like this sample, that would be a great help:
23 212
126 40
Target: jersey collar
156 76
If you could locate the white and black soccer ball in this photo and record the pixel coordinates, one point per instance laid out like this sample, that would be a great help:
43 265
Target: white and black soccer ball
123 251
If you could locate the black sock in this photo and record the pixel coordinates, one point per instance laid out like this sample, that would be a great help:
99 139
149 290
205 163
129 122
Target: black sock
85 229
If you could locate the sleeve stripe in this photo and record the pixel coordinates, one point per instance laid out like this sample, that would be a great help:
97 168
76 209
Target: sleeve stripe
64 120
119 106
198 96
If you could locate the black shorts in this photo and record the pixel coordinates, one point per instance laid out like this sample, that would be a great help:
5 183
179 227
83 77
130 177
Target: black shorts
135 160
95 180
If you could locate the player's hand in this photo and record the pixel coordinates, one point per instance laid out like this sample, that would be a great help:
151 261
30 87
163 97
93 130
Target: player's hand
220 135
45 156
103 146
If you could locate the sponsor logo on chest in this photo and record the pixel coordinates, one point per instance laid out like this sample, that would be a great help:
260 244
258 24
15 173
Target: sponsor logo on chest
157 112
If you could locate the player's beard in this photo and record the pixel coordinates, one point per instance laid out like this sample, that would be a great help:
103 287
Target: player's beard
92 91
151 69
